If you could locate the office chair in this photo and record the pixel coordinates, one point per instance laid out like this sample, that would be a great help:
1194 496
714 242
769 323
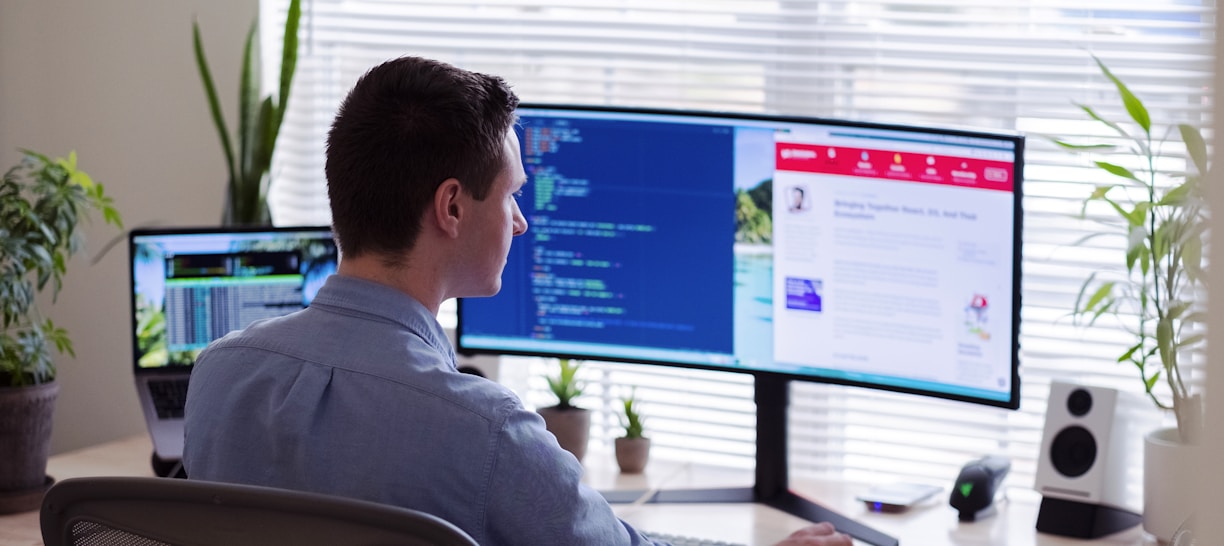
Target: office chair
147 511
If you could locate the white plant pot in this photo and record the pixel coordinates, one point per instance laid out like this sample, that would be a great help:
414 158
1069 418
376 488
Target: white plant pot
1168 482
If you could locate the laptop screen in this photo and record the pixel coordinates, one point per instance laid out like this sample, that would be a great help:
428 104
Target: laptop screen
190 286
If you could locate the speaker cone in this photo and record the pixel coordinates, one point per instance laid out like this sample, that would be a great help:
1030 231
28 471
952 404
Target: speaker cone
1073 451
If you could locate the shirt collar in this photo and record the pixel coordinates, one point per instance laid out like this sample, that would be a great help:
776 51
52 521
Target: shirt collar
365 297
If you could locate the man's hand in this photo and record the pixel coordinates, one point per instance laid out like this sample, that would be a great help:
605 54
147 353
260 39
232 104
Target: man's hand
820 534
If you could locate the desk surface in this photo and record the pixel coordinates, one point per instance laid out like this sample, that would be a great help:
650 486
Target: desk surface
932 523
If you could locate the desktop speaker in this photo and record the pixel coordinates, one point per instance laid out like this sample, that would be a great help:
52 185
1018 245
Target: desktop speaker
1086 447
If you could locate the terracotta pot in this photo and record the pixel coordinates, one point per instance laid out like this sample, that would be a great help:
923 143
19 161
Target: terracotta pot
1168 482
632 454
571 426
25 444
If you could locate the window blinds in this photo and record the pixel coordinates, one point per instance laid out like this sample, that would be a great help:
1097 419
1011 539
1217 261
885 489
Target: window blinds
1017 65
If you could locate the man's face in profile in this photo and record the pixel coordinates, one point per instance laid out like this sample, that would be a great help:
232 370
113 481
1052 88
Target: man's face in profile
496 220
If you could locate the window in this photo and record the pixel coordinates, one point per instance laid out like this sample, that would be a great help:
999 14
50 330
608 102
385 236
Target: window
1006 65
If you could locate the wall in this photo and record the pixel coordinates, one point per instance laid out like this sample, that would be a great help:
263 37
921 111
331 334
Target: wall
1211 496
117 82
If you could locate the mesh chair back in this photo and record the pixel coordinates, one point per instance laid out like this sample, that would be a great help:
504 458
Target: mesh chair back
139 511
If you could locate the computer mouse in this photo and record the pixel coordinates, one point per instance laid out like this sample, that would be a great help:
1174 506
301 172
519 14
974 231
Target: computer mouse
974 492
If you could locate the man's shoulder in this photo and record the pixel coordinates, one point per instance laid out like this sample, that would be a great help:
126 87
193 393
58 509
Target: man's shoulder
261 334
490 399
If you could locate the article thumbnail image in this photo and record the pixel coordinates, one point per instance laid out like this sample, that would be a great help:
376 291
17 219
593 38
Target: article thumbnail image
977 317
803 294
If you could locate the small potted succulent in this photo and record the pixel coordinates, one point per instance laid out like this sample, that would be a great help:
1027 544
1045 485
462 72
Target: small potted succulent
632 449
569 423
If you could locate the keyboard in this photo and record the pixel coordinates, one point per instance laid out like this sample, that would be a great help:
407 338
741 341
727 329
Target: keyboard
169 397
681 540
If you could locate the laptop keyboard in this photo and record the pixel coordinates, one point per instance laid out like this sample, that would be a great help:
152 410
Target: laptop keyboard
169 397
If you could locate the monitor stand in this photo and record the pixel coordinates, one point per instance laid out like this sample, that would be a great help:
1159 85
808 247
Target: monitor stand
772 396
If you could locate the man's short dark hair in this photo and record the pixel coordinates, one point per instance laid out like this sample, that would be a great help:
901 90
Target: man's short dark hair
405 127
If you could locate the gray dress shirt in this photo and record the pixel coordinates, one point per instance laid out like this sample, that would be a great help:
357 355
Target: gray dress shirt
358 395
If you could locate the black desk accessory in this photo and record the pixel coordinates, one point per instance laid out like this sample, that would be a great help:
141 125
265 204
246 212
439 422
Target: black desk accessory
974 492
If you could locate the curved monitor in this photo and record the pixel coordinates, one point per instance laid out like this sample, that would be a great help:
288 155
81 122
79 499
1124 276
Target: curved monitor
874 255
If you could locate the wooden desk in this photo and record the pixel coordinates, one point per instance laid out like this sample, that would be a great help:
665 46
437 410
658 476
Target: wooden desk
932 524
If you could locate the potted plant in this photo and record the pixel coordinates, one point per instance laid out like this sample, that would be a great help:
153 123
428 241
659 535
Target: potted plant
259 123
632 449
1157 288
569 423
42 202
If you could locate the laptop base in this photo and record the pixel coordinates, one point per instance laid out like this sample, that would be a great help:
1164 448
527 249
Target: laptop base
168 468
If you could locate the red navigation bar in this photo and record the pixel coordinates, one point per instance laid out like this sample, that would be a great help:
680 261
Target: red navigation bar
901 166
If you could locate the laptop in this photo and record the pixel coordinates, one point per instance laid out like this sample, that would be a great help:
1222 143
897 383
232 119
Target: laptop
190 286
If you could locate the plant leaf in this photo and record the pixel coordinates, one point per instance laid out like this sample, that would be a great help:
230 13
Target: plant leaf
1177 308
1193 140
1138 216
1100 191
214 105
1079 297
1092 114
1192 258
1118 170
1164 339
1130 352
1177 196
1082 147
266 134
289 55
1134 106
1197 317
42 201
1191 340
1107 306
1151 381
1099 295
248 98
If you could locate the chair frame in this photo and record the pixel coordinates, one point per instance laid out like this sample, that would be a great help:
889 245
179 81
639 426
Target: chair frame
199 513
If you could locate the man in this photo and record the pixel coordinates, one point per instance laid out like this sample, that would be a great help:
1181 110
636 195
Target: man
359 395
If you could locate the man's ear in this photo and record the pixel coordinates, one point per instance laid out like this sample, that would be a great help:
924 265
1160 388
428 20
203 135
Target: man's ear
448 206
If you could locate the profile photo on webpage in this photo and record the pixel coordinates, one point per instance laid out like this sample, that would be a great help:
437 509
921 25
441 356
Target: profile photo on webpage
797 200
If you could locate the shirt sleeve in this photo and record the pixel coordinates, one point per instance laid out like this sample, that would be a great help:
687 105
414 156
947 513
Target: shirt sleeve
536 495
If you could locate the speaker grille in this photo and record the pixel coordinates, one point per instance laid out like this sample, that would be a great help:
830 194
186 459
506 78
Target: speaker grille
1079 403
1073 451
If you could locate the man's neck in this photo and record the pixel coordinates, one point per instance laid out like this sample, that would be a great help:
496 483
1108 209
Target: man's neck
416 282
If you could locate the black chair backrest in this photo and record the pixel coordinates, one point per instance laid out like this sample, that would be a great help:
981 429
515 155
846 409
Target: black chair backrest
140 511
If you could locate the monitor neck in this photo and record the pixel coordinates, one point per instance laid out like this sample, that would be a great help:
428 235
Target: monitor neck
772 399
